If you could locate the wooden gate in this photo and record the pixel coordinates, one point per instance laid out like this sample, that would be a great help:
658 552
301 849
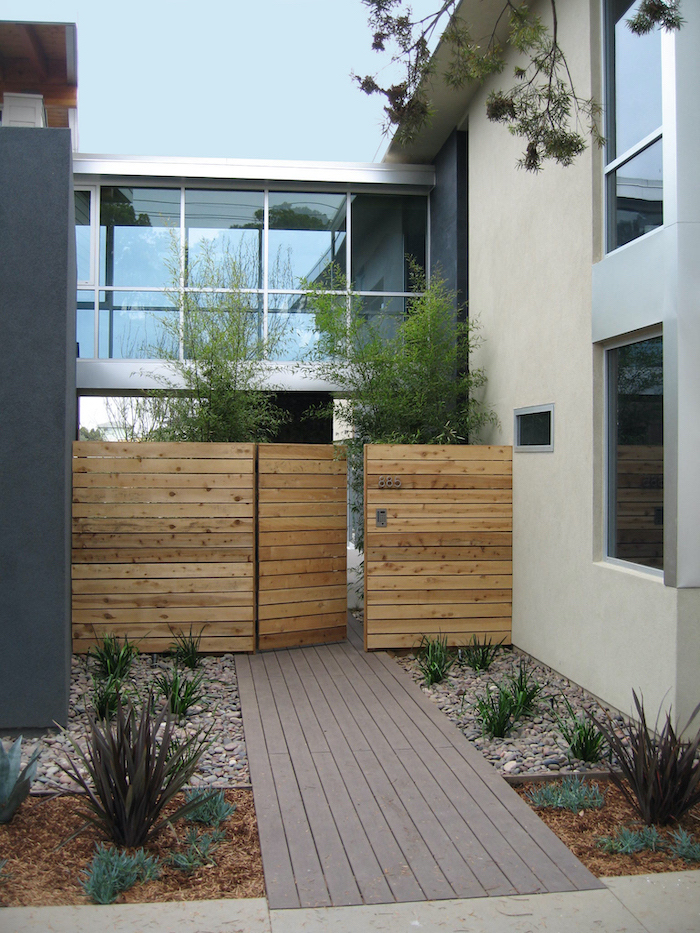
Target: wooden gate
302 545
164 540
438 544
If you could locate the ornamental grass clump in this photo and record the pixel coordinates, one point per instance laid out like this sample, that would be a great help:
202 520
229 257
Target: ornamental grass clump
585 740
111 658
659 772
434 659
525 690
185 649
683 845
495 711
210 809
180 691
478 655
112 871
15 784
134 769
628 841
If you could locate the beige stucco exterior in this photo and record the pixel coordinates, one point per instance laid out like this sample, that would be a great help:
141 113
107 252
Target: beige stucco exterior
533 243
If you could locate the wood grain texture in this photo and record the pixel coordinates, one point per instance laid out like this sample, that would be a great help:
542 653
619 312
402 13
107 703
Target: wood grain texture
164 540
442 565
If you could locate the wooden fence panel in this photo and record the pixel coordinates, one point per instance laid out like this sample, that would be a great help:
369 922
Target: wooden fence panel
164 540
302 545
442 564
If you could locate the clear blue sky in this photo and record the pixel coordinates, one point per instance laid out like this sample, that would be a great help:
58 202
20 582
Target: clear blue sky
259 79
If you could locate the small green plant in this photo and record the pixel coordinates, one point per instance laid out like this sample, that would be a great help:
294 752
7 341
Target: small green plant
210 809
525 689
15 784
628 841
683 845
133 772
105 696
479 656
180 691
434 659
572 794
113 871
4 875
659 772
495 711
585 740
185 649
200 847
111 658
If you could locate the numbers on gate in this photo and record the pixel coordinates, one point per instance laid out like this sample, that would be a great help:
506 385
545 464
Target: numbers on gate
389 482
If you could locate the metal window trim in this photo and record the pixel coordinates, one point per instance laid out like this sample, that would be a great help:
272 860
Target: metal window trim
533 410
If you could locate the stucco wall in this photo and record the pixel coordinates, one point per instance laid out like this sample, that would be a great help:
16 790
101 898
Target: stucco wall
532 241
37 408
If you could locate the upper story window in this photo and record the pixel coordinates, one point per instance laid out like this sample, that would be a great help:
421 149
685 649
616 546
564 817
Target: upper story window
634 169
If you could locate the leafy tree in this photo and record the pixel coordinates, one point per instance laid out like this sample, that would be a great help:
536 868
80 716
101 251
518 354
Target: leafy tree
403 378
90 434
215 391
542 106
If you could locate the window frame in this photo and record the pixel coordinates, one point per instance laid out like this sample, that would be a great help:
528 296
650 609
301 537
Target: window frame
533 448
610 443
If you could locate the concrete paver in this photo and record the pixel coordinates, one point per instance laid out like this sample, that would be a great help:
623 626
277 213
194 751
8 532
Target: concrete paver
664 903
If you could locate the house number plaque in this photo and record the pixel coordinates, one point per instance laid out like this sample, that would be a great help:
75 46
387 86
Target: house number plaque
389 482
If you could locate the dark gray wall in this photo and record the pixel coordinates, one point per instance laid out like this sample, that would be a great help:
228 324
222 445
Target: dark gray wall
448 215
37 418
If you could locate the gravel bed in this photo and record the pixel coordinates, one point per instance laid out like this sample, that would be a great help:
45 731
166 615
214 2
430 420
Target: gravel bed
223 764
535 745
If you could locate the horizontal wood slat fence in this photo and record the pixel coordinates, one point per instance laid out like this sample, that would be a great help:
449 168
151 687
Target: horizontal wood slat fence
302 545
164 540
442 564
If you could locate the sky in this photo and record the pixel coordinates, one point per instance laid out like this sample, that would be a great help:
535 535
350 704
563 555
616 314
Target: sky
240 79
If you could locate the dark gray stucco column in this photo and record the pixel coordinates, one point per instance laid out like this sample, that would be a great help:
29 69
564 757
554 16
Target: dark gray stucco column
37 417
448 216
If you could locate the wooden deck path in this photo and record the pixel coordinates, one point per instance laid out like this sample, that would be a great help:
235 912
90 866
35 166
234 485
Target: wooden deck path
366 793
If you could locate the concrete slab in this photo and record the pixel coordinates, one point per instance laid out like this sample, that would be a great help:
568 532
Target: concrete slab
575 912
664 903
223 916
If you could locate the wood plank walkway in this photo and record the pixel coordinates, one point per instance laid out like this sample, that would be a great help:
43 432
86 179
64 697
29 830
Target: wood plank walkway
366 793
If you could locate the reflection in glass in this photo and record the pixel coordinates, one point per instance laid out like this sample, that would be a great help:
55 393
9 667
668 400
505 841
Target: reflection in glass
82 235
230 321
139 236
385 232
636 478
85 325
636 197
535 429
137 325
637 94
306 239
381 315
225 226
291 328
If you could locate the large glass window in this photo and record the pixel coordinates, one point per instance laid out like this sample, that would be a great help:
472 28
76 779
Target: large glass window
387 232
306 239
633 127
636 453
83 236
139 237
137 325
85 324
224 229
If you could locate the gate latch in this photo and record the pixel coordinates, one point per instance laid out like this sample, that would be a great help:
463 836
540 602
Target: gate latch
381 518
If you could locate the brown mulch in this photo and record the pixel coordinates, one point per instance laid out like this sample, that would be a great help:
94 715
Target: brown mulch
44 872
581 831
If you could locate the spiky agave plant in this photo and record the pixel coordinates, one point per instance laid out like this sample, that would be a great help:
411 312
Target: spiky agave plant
134 767
15 785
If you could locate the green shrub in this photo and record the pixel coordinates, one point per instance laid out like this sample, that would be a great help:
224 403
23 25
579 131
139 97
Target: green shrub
210 809
660 773
111 658
479 656
105 696
495 711
185 649
15 785
133 772
572 793
180 691
434 659
628 841
524 689
200 847
112 871
684 846
585 740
